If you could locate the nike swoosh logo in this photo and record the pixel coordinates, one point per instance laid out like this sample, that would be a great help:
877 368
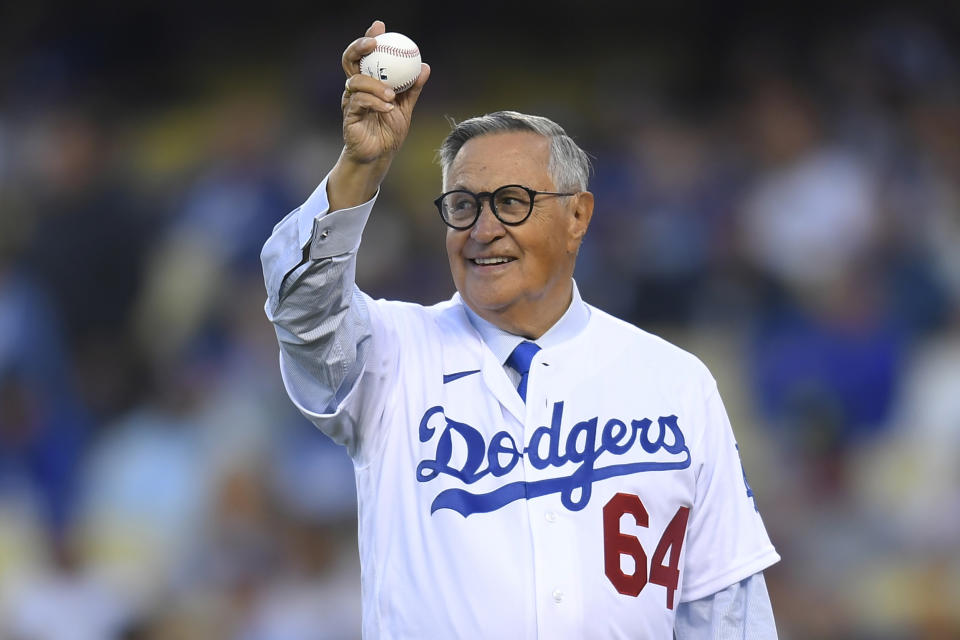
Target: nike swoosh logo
450 377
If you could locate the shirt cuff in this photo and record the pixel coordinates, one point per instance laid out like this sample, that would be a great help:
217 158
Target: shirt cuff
331 233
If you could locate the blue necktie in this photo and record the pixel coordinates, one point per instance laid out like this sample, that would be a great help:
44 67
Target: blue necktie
520 360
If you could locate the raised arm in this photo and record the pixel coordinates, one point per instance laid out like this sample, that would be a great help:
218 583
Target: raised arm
320 317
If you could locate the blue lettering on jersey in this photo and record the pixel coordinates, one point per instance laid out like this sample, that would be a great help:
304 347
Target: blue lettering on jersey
581 448
745 483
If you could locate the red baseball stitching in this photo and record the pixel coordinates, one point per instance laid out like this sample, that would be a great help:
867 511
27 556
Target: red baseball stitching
406 85
396 51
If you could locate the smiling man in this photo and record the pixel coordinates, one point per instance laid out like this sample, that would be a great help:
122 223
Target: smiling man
514 265
527 466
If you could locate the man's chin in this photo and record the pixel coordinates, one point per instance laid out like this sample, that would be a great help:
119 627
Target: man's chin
485 301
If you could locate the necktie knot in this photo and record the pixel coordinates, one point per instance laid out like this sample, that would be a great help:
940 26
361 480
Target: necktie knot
520 360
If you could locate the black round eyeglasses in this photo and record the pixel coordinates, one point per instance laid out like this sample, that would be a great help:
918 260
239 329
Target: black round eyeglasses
511 204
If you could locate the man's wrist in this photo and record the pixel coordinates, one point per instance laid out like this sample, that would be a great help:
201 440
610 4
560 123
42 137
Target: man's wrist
352 183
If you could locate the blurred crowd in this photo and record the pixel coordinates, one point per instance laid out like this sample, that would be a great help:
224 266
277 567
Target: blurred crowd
789 212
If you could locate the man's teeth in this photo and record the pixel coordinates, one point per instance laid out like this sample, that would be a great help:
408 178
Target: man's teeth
490 260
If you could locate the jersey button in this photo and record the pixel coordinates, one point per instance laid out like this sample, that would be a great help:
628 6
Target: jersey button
557 596
551 516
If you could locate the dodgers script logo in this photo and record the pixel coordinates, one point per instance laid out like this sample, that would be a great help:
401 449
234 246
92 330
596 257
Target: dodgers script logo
580 452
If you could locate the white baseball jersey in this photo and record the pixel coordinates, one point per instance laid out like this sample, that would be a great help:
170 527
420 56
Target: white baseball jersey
612 494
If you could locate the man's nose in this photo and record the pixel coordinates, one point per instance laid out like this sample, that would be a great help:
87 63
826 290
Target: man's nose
488 227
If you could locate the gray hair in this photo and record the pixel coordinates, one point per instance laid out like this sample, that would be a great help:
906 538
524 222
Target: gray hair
569 166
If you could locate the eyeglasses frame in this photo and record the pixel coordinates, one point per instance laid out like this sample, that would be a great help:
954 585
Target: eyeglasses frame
479 197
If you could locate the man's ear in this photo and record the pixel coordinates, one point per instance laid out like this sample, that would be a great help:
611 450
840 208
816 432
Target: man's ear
580 219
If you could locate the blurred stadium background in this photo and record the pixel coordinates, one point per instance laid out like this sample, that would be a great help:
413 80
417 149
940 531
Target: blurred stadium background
778 191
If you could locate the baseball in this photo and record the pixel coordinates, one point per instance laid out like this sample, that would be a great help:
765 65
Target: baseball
396 61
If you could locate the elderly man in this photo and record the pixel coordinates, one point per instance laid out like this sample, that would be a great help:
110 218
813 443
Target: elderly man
527 466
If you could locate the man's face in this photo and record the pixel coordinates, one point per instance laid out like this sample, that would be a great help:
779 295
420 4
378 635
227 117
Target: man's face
531 290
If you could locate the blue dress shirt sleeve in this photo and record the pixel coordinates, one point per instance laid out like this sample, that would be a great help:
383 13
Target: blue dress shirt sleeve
319 315
742 611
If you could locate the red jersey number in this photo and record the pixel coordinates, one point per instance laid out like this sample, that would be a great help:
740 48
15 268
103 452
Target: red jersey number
616 543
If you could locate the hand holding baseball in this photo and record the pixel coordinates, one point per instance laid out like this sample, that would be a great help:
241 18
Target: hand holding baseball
376 118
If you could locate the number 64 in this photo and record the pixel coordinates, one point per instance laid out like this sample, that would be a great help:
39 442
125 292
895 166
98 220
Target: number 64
616 543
